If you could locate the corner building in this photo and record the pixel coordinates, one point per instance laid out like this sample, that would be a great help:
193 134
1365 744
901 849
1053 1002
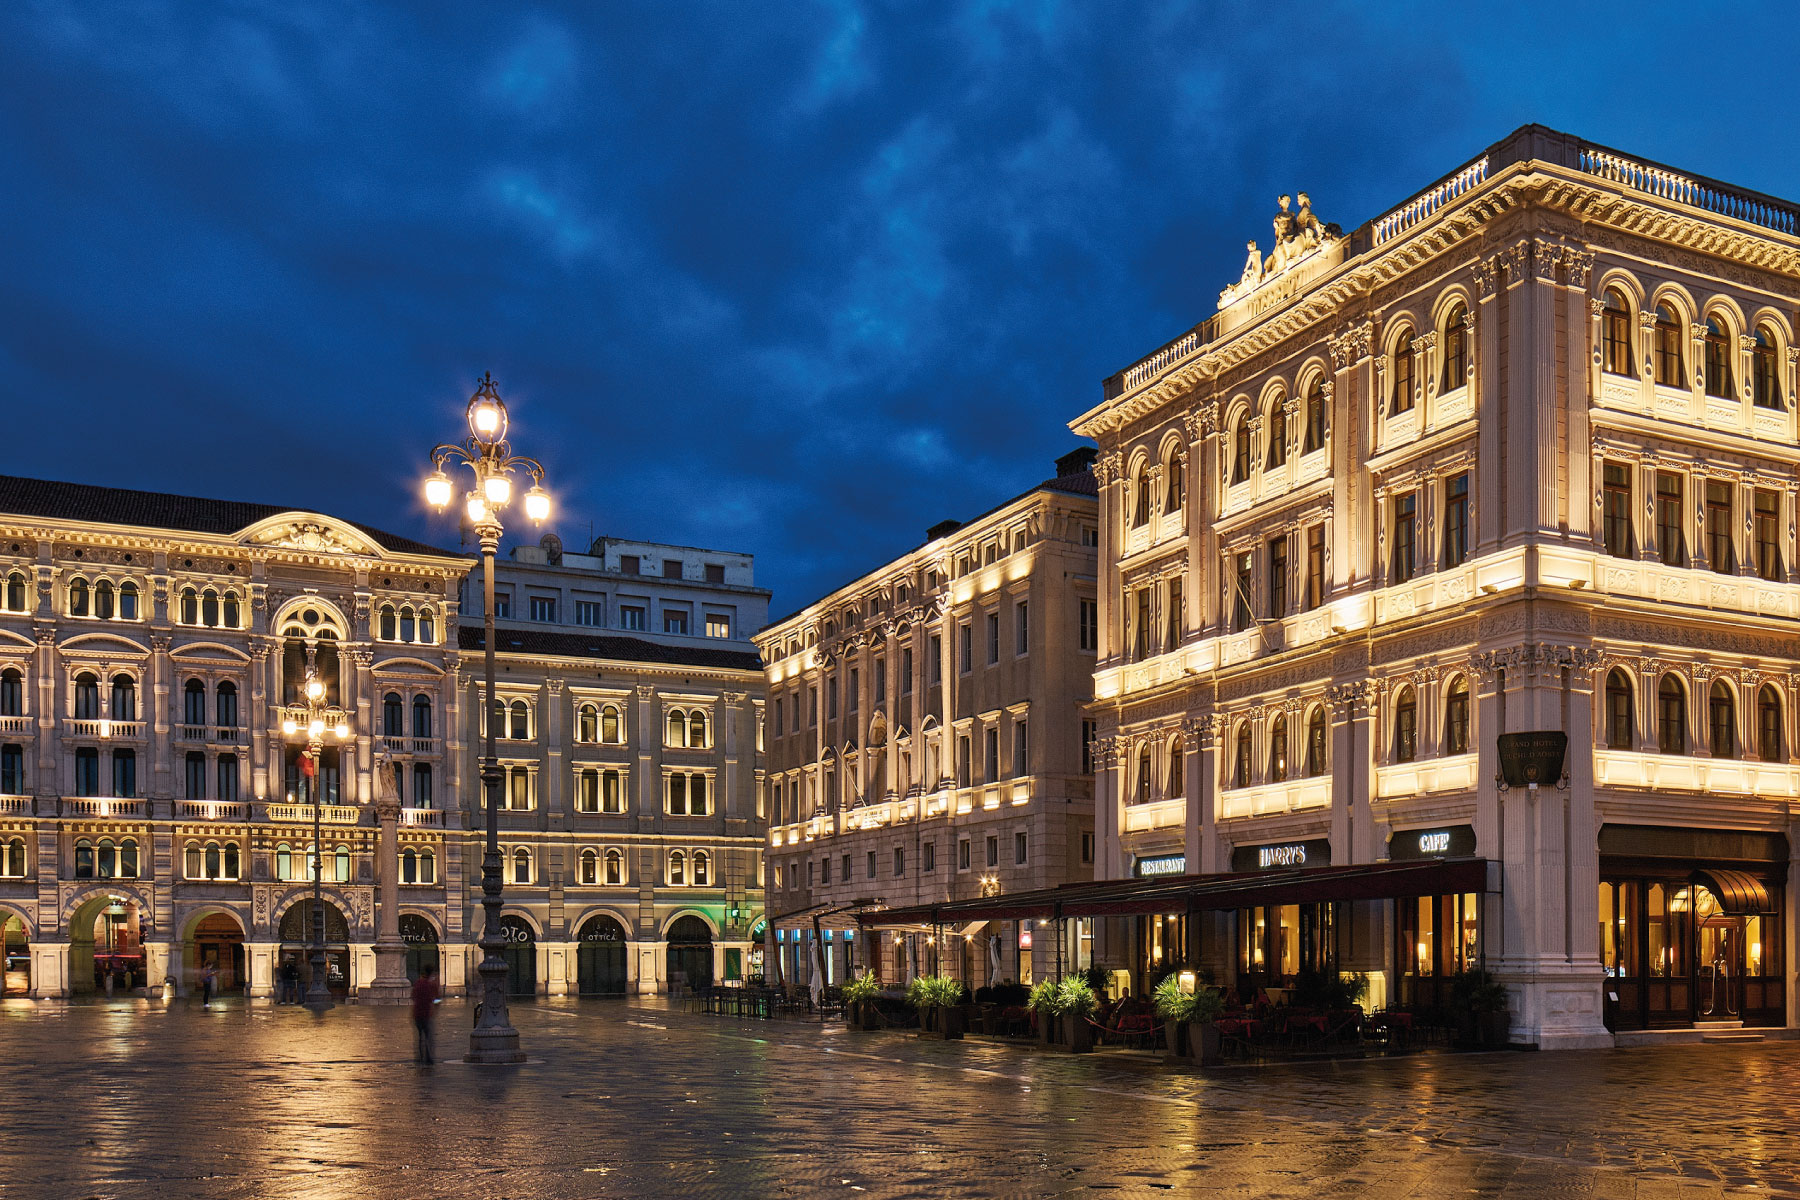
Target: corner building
1518 455
927 743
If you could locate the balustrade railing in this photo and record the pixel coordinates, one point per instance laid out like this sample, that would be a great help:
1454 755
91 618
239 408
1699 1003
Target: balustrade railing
102 806
421 817
15 806
16 724
1665 184
302 814
1148 369
104 728
1428 202
211 810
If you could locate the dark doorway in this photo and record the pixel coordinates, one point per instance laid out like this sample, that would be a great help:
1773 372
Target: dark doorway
690 953
600 957
421 944
520 955
297 939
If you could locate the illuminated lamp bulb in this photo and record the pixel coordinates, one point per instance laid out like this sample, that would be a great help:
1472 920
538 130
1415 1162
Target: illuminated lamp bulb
315 727
537 504
437 490
477 509
289 728
314 689
498 489
485 419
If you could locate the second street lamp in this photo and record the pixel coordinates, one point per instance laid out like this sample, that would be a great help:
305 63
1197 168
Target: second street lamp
487 453
319 721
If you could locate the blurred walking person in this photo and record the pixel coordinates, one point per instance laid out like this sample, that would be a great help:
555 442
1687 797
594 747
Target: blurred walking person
424 1013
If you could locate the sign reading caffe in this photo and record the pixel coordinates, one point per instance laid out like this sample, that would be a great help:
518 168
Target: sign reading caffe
1449 841
1282 856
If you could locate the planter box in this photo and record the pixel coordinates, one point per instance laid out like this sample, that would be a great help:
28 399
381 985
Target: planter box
1077 1034
1204 1043
1046 1028
1483 1031
863 1016
942 1024
1175 1040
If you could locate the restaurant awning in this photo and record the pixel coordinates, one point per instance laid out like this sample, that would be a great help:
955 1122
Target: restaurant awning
1183 893
1739 894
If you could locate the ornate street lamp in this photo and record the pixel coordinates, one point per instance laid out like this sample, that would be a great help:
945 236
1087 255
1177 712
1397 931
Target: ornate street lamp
487 453
318 721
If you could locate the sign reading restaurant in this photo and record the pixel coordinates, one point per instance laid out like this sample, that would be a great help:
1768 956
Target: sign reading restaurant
1278 856
1159 865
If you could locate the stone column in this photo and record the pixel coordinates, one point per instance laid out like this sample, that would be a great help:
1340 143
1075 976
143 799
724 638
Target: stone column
389 985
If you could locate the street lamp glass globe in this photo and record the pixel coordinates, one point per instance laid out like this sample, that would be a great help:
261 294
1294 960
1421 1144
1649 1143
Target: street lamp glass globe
314 689
315 727
537 504
486 420
437 490
478 510
343 732
290 728
498 489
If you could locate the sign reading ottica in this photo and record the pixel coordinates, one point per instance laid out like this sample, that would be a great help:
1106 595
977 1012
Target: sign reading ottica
1281 856
1450 841
1159 865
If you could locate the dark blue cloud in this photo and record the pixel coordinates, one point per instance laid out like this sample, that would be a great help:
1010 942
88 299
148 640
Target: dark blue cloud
793 279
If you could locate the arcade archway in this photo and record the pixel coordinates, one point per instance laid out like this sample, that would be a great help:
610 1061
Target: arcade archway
520 955
297 941
600 957
217 940
106 945
421 939
15 955
690 952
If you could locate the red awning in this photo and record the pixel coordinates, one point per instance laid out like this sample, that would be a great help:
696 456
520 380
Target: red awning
1184 893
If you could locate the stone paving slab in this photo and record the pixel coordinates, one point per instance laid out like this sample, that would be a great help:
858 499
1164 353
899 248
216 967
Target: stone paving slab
129 1100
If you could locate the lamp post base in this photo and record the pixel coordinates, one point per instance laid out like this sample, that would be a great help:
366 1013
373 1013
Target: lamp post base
390 985
494 1047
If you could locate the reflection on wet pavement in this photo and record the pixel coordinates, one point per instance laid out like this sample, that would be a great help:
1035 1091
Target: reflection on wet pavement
129 1099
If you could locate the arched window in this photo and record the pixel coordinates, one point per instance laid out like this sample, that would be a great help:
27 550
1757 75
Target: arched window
427 626
87 696
1621 732
209 608
215 863
1765 376
78 598
1315 742
124 698
1240 457
128 601
225 705
610 728
1278 750
12 693
232 618
1141 485
193 703
1668 347
1143 774
421 708
1241 772
1405 380
702 868
615 867
427 866
128 859
1456 718
390 628
106 859
1771 746
1176 788
232 863
343 864
677 868
409 866
407 625
1315 416
521 722
15 592
1615 334
1175 486
1719 350
1406 726
677 728
1671 716
590 867
1721 721
103 599
12 862
393 716
1277 434
587 724
1456 349
190 606
697 728
84 858
284 861
191 862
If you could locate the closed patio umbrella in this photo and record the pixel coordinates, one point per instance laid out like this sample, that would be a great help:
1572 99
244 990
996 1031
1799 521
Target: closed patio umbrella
994 960
817 983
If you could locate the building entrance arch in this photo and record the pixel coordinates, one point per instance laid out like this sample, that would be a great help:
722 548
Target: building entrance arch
520 954
600 957
106 944
421 940
297 940
690 952
15 955
217 941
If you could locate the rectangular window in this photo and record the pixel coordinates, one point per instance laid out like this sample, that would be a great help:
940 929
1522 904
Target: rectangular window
671 568
993 637
1615 509
927 858
871 864
1244 564
853 690
1089 731
1456 520
502 606
878 680
631 616
844 874
991 756
966 639
124 774
12 770
1768 534
964 768
899 862
993 850
1087 625
812 707
1405 532
590 612
1719 546
675 622
1087 848
228 778
1021 628
715 572
718 625
1021 849
831 699
1140 636
1669 544
631 564
825 870
962 854
1278 577
1174 616
1315 566
936 659
906 671
1021 749
543 608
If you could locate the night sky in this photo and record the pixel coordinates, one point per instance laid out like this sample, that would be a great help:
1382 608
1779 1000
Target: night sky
792 279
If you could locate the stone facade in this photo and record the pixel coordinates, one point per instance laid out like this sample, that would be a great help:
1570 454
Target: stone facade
926 738
1516 456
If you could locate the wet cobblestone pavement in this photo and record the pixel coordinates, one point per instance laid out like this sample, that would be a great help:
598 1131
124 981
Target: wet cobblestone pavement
128 1100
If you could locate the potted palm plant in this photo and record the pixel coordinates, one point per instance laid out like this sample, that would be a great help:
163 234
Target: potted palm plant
1203 1027
1175 1007
939 1001
1075 1002
859 1001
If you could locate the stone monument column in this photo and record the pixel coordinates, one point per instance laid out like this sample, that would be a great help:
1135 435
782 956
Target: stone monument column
390 985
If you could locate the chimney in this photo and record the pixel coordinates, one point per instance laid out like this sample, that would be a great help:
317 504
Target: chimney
942 529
